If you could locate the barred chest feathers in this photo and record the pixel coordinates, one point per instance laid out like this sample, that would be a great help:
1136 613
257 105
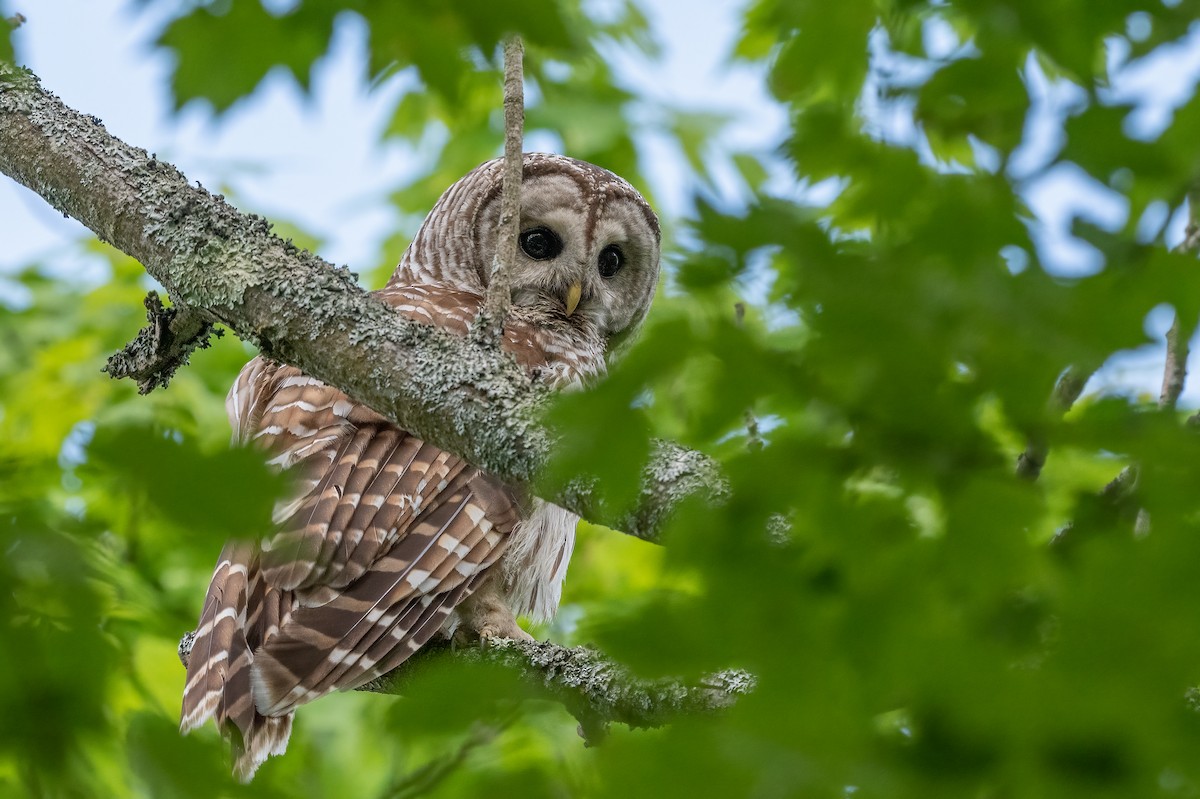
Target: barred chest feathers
535 565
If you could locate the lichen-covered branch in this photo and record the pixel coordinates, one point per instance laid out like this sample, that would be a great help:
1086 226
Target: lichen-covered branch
228 267
673 474
593 688
162 346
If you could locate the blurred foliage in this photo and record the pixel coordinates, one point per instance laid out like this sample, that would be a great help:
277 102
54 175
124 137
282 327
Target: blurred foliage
879 566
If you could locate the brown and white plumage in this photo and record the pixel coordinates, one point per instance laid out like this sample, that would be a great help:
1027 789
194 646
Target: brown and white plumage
387 538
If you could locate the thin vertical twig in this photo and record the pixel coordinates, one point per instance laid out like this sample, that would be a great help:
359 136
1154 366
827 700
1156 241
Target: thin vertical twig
1175 369
490 322
753 435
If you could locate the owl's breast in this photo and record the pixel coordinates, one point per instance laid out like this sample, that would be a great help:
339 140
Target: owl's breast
558 354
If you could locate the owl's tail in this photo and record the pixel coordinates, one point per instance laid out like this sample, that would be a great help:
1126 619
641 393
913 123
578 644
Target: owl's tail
240 612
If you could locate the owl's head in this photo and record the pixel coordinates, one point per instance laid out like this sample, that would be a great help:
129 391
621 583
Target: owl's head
588 248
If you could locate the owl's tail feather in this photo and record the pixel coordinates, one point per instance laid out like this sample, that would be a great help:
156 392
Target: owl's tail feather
239 612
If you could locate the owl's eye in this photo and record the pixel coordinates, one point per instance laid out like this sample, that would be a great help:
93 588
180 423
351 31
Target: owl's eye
540 243
611 260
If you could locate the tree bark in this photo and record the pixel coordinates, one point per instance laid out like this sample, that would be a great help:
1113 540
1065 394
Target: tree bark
593 689
220 265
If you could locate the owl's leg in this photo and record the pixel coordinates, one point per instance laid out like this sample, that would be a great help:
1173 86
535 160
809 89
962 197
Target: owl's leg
485 614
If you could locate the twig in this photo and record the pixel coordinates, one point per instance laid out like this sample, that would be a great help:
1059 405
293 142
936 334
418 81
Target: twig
1191 235
162 346
1175 370
490 323
1175 367
1120 486
1113 498
754 441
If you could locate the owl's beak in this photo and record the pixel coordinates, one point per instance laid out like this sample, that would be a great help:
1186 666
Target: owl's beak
573 295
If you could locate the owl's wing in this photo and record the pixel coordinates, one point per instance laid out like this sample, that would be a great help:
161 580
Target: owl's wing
385 535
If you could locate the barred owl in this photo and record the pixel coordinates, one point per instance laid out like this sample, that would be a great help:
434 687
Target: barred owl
388 539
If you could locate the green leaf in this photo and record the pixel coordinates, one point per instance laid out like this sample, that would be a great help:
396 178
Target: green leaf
223 51
171 471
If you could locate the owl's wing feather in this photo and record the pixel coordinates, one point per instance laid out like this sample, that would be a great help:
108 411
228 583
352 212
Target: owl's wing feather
219 668
384 537
341 639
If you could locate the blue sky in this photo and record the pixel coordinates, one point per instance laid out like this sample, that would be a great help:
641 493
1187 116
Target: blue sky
316 161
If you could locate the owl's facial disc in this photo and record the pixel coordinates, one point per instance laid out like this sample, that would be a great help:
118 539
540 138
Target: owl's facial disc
588 246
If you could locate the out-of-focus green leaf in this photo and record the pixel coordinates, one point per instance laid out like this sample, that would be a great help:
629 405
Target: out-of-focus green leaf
224 50
6 48
170 471
978 97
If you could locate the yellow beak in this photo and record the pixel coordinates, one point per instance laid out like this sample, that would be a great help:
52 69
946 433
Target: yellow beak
573 295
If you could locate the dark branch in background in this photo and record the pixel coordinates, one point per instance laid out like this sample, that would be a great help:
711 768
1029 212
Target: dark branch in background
422 781
228 267
162 346
490 323
1068 388
593 689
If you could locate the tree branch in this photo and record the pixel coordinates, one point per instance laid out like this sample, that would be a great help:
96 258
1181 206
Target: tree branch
595 690
228 267
163 346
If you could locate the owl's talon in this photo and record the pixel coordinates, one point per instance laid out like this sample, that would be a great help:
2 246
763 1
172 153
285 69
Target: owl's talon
486 615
